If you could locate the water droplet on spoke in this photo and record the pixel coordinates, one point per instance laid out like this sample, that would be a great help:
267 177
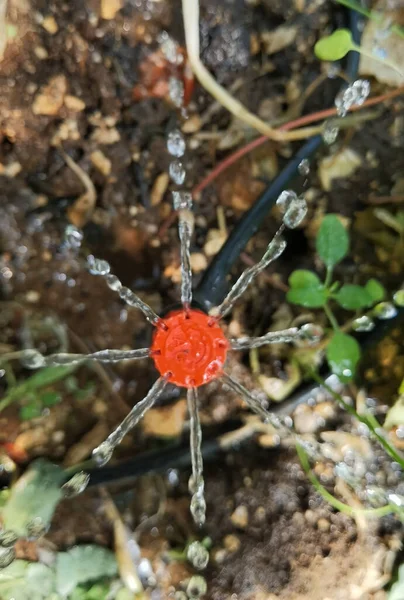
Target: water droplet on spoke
98 266
364 323
385 310
103 453
177 172
198 555
8 538
7 555
176 143
295 213
76 485
354 95
399 298
304 167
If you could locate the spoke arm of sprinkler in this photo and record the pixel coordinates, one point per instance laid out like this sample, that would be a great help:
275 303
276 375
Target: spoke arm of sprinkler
102 268
273 251
185 231
34 359
196 483
273 337
103 453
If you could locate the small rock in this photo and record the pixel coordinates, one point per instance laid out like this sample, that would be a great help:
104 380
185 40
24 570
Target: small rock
167 421
50 25
338 166
74 104
215 240
41 53
109 8
323 525
232 543
51 97
239 518
101 162
198 262
159 188
32 296
192 125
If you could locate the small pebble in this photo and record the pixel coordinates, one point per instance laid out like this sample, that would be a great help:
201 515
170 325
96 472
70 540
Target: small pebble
239 518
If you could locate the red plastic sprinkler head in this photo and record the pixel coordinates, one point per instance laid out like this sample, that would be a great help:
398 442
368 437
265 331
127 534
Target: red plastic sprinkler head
189 345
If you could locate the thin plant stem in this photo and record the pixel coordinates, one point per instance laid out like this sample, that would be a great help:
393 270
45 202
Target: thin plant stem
382 61
369 422
331 317
341 506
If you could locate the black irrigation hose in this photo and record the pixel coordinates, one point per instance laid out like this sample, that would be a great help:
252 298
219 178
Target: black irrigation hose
214 284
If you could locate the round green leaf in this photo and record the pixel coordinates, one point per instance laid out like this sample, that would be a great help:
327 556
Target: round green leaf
310 297
306 289
375 290
332 242
343 353
353 297
303 279
335 46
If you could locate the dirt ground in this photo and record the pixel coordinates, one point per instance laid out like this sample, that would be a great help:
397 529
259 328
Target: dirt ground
78 76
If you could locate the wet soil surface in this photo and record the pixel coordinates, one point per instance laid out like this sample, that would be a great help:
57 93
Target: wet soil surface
74 79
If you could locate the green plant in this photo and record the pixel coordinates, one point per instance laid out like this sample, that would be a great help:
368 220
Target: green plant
308 290
339 43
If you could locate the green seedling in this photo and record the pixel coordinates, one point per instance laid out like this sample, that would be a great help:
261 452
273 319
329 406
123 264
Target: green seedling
339 43
308 290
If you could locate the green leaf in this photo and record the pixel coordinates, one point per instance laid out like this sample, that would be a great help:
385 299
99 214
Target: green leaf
82 564
30 411
335 46
332 242
27 581
50 398
306 289
34 496
353 297
375 290
343 353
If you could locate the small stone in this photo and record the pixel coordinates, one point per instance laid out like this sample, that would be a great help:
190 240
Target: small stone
232 543
109 9
74 104
50 25
323 525
32 296
192 125
198 262
239 518
51 97
41 53
159 188
101 162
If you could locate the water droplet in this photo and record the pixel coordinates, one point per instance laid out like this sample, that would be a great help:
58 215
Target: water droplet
8 538
180 596
72 238
395 499
304 167
182 200
295 213
364 323
330 132
176 91
354 95
198 508
170 48
285 199
197 587
385 310
311 332
113 282
103 453
7 555
76 485
32 359
36 528
176 143
198 555
399 298
97 266
177 172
